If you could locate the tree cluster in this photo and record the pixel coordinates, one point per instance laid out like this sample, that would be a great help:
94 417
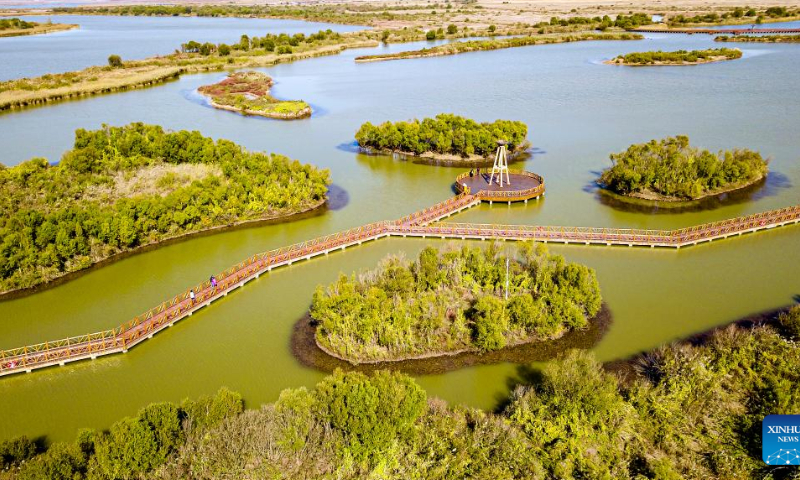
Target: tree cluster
281 43
681 411
678 57
454 300
61 218
15 23
131 448
445 134
671 168
601 23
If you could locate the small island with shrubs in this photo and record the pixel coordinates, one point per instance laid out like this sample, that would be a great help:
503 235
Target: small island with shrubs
123 188
680 57
446 137
16 27
671 170
248 93
454 301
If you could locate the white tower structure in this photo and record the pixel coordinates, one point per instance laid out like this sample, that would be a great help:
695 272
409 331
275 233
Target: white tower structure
500 165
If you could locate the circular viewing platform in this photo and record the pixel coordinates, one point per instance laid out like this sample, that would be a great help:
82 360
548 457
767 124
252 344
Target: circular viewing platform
523 186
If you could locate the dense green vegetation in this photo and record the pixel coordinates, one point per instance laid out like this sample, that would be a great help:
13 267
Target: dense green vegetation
671 169
679 57
248 92
758 38
734 16
454 301
446 134
15 24
122 187
455 48
281 43
686 411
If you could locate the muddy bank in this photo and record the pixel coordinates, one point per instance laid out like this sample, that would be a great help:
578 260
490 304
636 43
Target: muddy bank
304 347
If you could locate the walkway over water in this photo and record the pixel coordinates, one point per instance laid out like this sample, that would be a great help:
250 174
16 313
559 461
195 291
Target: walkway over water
726 31
119 340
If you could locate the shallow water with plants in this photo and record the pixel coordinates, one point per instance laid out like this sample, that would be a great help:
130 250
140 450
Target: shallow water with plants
578 112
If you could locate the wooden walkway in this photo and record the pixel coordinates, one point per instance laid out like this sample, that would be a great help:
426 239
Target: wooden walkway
143 327
711 31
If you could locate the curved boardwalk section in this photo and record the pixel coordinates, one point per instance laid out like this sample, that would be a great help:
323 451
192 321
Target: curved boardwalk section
28 358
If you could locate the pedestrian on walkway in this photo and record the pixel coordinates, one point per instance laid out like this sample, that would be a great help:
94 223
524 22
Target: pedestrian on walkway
213 281
191 296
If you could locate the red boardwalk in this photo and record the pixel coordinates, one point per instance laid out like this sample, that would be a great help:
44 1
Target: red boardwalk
26 359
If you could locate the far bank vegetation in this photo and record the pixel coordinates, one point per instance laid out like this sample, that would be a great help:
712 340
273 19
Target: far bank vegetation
670 169
454 300
16 27
680 57
249 93
446 136
455 48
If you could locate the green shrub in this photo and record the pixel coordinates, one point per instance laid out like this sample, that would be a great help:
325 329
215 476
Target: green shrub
371 412
430 35
452 29
16 451
134 446
790 322
115 61
209 411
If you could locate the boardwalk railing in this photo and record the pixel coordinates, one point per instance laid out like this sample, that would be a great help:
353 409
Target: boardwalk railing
504 195
166 314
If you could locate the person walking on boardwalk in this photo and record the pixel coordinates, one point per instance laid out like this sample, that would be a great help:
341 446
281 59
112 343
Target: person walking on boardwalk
471 173
213 281
192 296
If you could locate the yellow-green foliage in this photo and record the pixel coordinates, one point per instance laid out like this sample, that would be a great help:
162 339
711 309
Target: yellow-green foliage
15 23
445 134
671 168
454 300
690 412
61 218
758 38
678 57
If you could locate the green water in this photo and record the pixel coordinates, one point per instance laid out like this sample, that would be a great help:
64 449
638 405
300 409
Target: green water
578 111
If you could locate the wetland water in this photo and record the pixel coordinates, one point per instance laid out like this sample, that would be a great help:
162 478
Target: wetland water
578 112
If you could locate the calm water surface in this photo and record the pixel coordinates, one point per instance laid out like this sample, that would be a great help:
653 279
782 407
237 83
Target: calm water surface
131 38
578 111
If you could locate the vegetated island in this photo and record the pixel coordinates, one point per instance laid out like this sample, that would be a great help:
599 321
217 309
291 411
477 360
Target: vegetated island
16 27
121 188
446 137
453 301
248 93
680 57
671 170
457 47
572 418
758 38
